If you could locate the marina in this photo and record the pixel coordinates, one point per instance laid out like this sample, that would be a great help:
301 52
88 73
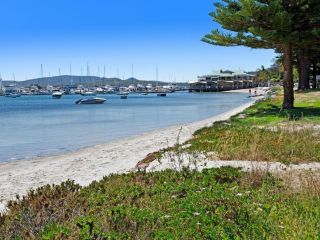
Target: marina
86 87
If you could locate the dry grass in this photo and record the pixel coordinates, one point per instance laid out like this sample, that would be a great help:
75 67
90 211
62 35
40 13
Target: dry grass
239 142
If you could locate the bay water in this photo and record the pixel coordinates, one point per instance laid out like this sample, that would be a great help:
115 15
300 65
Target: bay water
34 126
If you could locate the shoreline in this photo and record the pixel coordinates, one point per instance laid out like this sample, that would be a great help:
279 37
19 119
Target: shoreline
93 163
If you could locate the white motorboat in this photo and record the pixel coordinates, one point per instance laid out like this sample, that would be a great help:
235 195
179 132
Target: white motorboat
93 100
123 93
88 94
13 95
56 95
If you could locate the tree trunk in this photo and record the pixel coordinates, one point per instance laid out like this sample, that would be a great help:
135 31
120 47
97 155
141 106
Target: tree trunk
300 83
314 74
304 69
288 100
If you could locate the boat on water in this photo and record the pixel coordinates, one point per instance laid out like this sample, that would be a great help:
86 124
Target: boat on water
56 95
12 91
162 94
93 100
88 93
144 94
123 94
13 95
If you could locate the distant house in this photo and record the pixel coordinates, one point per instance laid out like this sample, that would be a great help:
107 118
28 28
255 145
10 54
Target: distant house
1 88
223 80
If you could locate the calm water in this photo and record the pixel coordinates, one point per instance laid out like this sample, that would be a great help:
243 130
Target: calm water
33 126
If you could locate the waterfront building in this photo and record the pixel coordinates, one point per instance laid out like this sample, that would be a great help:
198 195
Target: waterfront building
223 81
1 87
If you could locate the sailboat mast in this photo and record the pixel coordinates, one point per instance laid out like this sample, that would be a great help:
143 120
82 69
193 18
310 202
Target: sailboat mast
132 73
157 75
80 78
104 75
41 74
88 74
99 81
14 82
71 82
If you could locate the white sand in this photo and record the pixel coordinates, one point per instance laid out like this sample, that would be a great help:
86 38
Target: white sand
201 161
94 163
260 90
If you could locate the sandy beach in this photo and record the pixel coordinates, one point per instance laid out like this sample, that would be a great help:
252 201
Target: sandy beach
93 163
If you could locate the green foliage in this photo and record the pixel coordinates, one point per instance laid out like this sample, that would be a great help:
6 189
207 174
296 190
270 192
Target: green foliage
213 204
281 25
54 231
267 132
265 24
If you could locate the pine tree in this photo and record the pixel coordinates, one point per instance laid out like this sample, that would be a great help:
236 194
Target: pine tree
303 65
275 24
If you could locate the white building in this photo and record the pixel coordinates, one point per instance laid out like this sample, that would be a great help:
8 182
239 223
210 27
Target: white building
223 80
1 87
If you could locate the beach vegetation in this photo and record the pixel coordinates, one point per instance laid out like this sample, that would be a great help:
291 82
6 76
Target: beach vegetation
214 204
266 132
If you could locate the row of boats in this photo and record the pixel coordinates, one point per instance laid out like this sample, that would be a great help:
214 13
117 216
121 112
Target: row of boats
99 100
91 100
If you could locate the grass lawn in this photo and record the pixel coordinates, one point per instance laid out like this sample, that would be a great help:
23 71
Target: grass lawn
265 132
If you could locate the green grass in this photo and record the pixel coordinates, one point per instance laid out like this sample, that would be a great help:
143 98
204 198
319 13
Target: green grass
307 109
238 142
267 133
215 204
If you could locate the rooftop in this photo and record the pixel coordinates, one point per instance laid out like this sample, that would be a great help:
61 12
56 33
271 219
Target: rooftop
229 73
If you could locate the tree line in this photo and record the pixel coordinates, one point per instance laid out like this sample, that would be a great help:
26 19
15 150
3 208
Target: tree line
290 27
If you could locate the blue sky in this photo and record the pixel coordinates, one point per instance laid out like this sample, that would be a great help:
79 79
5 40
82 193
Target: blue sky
117 34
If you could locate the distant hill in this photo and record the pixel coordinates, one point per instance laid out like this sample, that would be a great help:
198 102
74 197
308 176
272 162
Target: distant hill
85 81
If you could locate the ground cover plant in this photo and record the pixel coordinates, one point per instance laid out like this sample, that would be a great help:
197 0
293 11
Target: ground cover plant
214 204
